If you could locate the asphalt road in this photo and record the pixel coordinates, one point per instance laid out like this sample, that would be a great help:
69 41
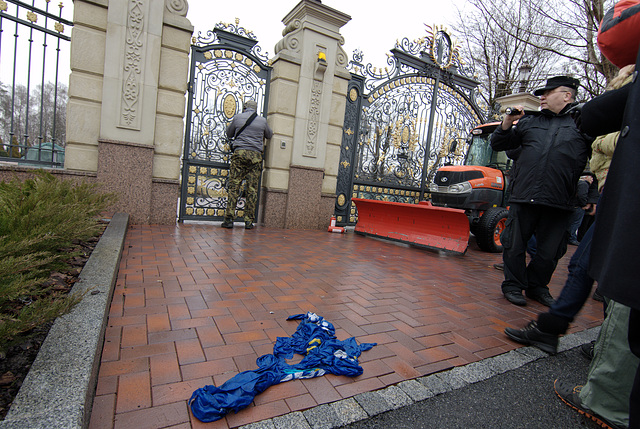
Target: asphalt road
521 398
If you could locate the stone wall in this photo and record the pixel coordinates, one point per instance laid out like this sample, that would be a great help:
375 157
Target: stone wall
126 109
125 116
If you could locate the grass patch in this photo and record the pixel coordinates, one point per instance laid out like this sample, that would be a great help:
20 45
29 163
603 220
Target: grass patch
39 220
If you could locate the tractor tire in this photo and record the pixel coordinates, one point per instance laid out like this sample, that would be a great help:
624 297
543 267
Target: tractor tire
489 229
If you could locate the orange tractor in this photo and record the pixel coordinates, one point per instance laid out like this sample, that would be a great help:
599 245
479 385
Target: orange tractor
479 187
465 198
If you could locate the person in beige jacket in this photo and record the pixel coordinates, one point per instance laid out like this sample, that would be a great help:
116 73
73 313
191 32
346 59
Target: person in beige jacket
601 152
603 146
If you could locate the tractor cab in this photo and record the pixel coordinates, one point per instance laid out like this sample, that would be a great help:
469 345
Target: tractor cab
480 152
479 187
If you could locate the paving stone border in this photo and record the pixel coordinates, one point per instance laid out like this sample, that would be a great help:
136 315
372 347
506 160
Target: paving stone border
59 389
369 404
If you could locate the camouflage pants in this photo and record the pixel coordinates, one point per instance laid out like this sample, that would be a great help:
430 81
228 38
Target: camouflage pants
245 165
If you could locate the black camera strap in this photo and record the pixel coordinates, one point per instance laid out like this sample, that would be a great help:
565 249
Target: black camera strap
246 124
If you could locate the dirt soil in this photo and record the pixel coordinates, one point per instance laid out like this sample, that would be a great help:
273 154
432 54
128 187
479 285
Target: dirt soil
15 364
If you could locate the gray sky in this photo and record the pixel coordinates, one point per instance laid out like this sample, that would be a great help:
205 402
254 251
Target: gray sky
374 28
374 25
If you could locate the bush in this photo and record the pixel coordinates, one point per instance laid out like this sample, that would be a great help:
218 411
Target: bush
39 220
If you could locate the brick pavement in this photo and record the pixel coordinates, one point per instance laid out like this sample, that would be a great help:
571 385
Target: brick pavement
196 304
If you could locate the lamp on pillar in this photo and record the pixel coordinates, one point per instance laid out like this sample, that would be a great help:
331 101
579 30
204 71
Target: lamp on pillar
524 72
321 65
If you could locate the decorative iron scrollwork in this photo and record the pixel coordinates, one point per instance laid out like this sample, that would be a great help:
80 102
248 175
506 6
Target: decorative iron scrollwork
236 29
227 70
411 111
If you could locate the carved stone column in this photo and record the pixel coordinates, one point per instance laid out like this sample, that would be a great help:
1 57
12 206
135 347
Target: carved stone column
306 108
127 96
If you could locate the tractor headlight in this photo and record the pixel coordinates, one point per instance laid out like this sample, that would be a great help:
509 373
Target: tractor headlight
460 188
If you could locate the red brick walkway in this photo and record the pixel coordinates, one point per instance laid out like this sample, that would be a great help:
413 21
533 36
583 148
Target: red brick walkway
196 304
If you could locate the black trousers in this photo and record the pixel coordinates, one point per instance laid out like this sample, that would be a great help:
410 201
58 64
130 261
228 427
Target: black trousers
550 225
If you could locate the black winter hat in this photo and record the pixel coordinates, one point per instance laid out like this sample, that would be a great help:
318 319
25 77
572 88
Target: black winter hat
557 81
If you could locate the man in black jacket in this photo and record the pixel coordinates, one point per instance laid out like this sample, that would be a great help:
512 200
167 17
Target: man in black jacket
554 154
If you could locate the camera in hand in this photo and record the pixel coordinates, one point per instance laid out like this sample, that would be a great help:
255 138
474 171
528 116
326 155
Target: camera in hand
512 111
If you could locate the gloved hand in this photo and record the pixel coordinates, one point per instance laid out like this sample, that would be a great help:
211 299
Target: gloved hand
576 114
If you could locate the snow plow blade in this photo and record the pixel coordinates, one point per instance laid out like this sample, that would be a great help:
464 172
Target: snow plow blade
424 225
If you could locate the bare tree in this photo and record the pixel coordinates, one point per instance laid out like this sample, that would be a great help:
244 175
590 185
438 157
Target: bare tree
552 36
580 30
498 54
14 115
46 116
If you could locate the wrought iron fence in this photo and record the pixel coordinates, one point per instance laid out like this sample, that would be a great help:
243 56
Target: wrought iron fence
402 121
32 97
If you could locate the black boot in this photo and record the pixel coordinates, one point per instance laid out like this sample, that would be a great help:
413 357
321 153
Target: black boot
532 336
543 298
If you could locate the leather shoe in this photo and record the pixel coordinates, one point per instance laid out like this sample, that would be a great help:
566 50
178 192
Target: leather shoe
499 266
544 298
515 297
227 223
248 225
532 336
588 350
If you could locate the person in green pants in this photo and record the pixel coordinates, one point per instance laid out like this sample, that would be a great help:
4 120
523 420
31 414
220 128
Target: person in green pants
607 389
248 130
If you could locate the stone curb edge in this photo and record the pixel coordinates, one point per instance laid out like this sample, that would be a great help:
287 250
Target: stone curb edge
59 389
369 404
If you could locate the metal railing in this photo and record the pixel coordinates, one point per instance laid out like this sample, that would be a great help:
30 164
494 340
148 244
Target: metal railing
32 98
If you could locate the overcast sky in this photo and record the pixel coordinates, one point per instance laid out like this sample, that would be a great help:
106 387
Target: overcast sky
374 28
374 25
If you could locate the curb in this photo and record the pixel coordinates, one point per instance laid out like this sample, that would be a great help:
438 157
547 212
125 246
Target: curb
59 389
365 405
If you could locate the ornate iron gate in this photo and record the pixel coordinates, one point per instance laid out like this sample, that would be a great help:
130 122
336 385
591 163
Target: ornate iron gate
401 121
227 69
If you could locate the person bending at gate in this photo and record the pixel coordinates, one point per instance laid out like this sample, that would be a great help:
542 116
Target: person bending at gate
554 154
247 132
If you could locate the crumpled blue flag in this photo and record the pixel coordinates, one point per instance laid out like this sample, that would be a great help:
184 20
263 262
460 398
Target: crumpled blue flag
323 353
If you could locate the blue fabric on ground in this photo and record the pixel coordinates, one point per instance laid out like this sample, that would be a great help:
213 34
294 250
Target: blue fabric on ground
323 353
211 403
310 328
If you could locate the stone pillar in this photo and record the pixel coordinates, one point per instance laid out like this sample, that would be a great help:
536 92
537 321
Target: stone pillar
88 43
306 111
525 99
129 63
